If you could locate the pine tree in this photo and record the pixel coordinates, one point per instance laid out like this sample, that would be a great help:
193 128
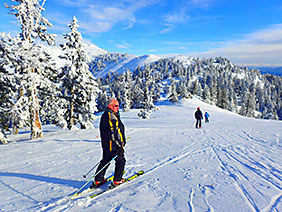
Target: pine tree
33 25
248 105
78 82
126 94
222 98
173 96
206 94
232 100
8 87
182 89
197 89
148 92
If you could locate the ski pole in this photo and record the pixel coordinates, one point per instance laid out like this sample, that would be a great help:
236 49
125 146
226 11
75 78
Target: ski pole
91 170
93 176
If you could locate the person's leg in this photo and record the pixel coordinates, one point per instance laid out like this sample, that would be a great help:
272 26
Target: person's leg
120 163
106 159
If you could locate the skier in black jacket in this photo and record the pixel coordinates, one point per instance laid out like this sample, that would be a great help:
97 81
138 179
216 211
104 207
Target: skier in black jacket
198 117
113 141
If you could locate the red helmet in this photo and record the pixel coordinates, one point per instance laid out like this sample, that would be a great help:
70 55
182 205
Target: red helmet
198 108
113 105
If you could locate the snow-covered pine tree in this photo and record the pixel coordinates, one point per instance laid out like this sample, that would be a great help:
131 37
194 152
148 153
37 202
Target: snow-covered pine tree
126 89
148 92
8 90
102 100
33 25
248 105
197 89
52 102
182 89
232 101
206 94
213 90
137 93
222 98
78 82
14 104
173 96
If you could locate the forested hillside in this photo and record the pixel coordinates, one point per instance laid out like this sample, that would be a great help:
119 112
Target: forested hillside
216 80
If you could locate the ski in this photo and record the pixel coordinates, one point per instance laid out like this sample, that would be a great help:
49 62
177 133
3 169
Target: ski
112 187
91 189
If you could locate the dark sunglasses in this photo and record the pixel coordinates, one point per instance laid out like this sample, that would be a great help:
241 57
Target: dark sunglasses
116 106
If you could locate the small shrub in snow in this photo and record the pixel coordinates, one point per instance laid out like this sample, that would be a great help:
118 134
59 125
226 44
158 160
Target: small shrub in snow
144 114
3 139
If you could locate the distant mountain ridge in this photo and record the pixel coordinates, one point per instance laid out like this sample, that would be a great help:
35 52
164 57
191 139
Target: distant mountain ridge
120 62
269 70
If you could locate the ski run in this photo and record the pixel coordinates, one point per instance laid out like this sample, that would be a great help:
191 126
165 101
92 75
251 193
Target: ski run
231 164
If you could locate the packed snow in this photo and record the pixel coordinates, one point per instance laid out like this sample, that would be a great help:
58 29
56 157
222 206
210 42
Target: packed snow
231 164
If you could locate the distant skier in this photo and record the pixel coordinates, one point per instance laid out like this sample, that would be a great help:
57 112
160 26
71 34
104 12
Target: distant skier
198 117
113 141
207 115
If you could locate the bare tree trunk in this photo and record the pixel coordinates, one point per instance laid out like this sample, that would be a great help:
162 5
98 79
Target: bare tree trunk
36 127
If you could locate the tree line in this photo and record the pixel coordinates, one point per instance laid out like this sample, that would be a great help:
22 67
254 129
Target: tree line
215 80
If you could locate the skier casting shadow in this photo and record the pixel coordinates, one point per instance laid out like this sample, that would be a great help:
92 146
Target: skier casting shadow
198 117
113 141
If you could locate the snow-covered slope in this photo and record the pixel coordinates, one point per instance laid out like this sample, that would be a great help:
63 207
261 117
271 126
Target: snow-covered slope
119 63
92 50
232 164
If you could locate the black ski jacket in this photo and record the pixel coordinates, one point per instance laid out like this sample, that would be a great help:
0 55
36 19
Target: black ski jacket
112 132
198 114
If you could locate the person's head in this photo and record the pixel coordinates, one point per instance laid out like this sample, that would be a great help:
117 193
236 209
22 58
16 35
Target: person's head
198 108
113 105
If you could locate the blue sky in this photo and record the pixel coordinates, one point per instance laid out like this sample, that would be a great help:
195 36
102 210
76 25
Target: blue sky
247 32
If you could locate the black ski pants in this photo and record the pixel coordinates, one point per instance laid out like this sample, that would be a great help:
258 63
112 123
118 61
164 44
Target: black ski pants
119 165
198 123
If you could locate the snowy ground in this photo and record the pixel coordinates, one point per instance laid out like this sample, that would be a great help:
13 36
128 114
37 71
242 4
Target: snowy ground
232 164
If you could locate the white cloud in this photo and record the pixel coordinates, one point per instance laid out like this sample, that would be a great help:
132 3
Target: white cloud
123 45
180 14
263 47
107 17
201 3
103 15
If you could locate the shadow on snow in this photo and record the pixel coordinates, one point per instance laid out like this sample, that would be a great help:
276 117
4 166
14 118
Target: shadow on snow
64 182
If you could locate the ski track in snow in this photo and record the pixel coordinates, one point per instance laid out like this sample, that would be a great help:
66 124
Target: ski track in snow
190 202
68 202
186 169
230 157
172 159
227 156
